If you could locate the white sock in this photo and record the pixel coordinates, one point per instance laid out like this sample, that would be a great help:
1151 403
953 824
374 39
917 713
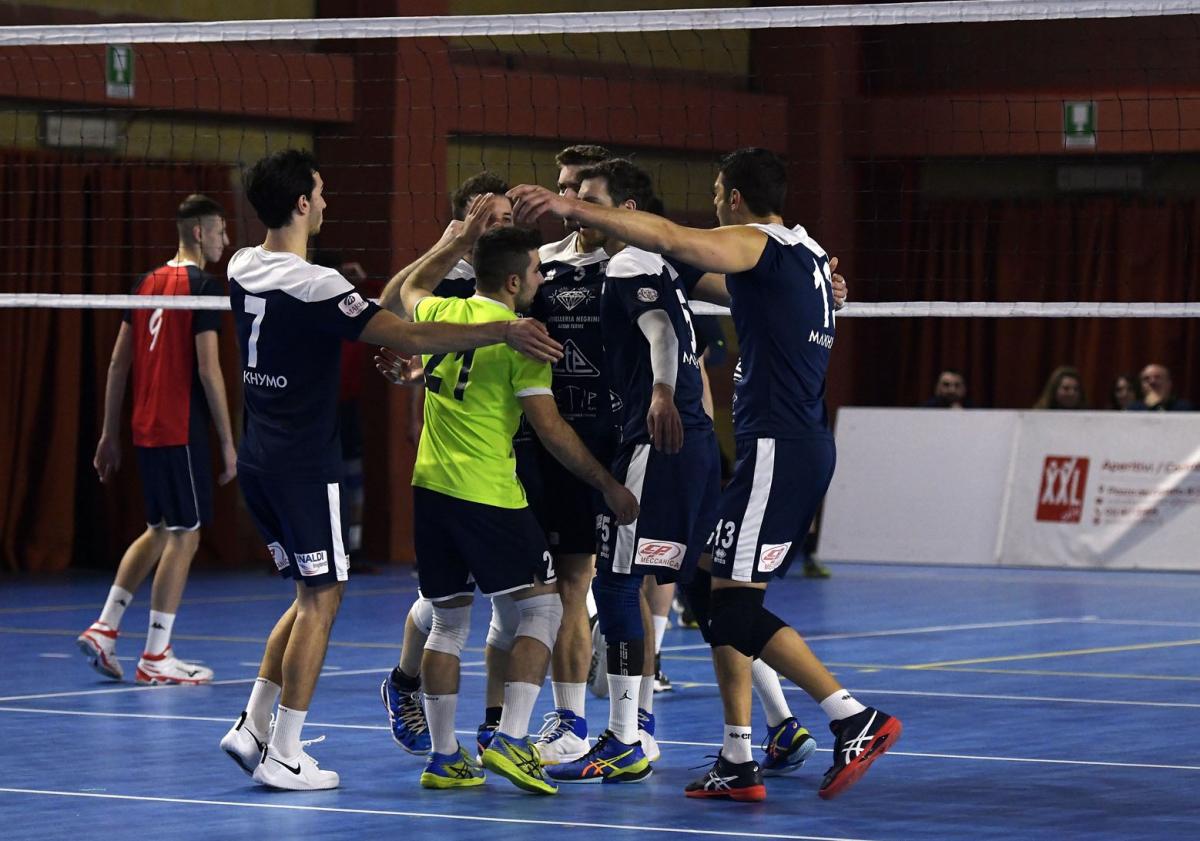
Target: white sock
841 704
114 607
439 712
736 747
159 635
623 706
660 628
519 699
570 696
770 693
263 696
286 738
646 693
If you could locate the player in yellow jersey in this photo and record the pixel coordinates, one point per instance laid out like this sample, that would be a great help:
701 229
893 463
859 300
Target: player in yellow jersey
472 524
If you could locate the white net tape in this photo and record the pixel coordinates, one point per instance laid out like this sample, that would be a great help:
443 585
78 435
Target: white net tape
901 309
887 14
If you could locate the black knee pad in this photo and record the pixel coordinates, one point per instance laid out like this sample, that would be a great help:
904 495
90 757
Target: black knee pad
698 592
739 620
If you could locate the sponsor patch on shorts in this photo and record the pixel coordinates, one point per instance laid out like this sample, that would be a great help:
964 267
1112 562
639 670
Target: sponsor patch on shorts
278 556
313 563
659 553
771 555
352 305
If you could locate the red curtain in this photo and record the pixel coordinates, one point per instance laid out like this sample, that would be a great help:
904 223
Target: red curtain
1080 249
74 224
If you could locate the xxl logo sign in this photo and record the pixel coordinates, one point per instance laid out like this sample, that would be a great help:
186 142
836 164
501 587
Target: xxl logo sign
1064 482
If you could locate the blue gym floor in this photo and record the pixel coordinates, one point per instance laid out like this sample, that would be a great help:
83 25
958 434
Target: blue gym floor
1036 705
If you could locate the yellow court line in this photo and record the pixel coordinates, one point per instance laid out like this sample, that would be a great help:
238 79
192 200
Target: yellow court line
1145 646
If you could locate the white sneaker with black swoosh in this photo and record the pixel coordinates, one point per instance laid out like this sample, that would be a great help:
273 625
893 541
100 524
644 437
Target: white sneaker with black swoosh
245 746
166 668
297 773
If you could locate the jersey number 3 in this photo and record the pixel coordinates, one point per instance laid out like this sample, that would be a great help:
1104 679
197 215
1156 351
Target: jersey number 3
434 382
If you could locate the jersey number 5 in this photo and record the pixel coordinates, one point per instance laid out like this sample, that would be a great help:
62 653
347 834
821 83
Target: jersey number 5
434 382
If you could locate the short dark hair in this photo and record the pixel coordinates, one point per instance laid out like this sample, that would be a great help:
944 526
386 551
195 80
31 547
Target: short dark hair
759 175
500 252
191 210
583 153
476 185
625 181
275 182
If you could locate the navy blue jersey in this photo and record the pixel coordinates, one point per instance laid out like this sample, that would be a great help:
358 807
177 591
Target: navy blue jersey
783 314
460 283
639 282
568 302
291 318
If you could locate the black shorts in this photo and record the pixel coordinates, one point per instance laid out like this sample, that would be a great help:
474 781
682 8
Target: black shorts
302 525
176 485
768 505
465 544
678 497
569 505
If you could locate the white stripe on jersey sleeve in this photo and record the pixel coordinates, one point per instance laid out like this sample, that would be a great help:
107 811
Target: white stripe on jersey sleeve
790 236
634 262
258 271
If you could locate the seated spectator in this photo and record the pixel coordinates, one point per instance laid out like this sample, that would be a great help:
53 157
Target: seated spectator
1063 390
1124 392
950 391
1157 395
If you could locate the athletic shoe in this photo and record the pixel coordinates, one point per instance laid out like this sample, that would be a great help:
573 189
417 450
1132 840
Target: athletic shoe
563 737
451 770
610 761
299 773
517 761
812 569
858 741
597 678
99 645
787 746
483 737
406 717
727 780
166 668
646 735
662 683
244 746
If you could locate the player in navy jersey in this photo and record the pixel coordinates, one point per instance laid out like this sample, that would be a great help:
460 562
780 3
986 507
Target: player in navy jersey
780 287
177 386
291 319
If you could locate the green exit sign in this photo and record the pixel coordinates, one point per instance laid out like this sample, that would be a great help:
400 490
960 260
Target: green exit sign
118 71
1079 125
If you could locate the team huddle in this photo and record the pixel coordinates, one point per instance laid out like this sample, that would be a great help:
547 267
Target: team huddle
565 458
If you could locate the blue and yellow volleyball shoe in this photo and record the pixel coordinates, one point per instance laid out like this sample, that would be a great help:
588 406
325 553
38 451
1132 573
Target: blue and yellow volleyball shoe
451 770
518 762
609 761
406 717
787 746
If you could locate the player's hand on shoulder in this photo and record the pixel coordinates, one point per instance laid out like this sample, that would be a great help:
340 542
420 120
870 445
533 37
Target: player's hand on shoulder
398 369
108 458
530 337
530 201
621 501
229 457
840 290
663 421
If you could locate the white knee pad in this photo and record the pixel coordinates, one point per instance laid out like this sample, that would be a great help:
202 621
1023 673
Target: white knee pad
421 613
506 618
450 628
540 618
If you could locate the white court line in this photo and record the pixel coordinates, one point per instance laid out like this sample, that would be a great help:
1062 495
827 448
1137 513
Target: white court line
250 597
317 725
1149 623
56 656
927 629
435 815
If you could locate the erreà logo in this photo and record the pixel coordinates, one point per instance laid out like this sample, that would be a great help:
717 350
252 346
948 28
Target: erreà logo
1064 482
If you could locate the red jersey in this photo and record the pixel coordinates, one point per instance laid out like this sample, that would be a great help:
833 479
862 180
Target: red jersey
168 399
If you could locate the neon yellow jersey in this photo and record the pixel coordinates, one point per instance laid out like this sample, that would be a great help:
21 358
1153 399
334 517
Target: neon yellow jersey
472 409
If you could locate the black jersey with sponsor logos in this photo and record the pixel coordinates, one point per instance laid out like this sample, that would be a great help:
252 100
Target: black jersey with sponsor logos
568 301
639 282
783 314
291 318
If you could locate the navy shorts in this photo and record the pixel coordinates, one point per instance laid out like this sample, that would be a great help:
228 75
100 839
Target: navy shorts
678 496
465 544
176 485
302 525
570 505
768 505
